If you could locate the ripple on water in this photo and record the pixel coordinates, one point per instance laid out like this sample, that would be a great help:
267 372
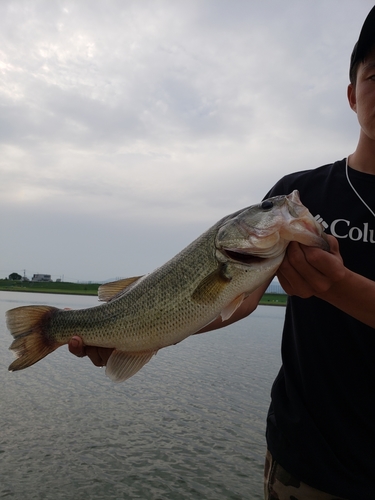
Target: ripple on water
190 425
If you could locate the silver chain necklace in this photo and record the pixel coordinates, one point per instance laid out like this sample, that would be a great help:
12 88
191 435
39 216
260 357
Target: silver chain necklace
356 192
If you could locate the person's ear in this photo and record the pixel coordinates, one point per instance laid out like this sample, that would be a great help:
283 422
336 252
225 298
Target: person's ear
352 98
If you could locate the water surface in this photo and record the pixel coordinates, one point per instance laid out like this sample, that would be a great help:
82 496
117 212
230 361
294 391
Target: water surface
189 425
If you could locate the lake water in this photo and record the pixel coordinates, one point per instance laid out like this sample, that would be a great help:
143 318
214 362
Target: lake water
189 425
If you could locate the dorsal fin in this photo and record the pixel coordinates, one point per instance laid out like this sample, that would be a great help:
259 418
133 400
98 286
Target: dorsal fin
109 291
123 365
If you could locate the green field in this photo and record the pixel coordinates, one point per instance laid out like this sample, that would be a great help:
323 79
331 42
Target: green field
49 287
273 299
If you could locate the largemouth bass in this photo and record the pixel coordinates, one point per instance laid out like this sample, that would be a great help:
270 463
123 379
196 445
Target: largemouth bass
209 278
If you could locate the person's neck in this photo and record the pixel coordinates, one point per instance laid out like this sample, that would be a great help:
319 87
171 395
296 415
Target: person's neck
363 158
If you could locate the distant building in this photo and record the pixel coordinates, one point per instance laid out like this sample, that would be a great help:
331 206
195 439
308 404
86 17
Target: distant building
41 277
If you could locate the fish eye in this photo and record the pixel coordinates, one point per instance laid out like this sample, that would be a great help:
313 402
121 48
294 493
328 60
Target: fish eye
266 205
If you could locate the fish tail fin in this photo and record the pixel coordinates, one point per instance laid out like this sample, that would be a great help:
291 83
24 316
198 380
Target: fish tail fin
29 327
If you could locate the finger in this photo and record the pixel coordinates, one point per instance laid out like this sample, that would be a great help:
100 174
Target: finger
333 244
98 355
292 281
324 267
313 273
93 354
294 262
316 269
77 347
296 274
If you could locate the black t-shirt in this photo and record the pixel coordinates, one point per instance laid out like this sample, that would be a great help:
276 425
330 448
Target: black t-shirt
321 422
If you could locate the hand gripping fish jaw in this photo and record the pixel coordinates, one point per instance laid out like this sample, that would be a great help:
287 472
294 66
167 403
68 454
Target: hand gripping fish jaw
265 230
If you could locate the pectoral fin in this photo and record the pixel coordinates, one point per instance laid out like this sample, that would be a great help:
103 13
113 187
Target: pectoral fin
227 312
109 291
123 365
211 286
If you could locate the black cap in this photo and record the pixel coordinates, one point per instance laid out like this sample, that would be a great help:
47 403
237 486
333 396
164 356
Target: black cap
366 42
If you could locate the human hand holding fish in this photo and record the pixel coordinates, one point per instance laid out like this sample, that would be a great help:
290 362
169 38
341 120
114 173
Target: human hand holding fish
98 355
209 279
307 271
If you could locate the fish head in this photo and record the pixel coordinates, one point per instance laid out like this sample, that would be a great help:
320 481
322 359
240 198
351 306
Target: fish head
263 231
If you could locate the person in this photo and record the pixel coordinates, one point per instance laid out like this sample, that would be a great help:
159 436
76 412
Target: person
320 425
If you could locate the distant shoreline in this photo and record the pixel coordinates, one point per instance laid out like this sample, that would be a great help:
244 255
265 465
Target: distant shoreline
268 299
49 287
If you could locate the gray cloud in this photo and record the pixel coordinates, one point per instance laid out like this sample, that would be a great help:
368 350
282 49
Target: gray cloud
147 121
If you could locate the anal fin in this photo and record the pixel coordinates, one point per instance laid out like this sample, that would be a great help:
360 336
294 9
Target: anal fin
123 365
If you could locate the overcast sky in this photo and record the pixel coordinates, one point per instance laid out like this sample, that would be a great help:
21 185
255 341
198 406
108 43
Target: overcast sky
127 128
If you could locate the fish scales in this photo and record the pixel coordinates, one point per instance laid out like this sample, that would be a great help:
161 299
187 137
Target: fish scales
209 278
163 295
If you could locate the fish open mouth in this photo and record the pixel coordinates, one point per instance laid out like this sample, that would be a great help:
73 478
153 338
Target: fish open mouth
244 258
